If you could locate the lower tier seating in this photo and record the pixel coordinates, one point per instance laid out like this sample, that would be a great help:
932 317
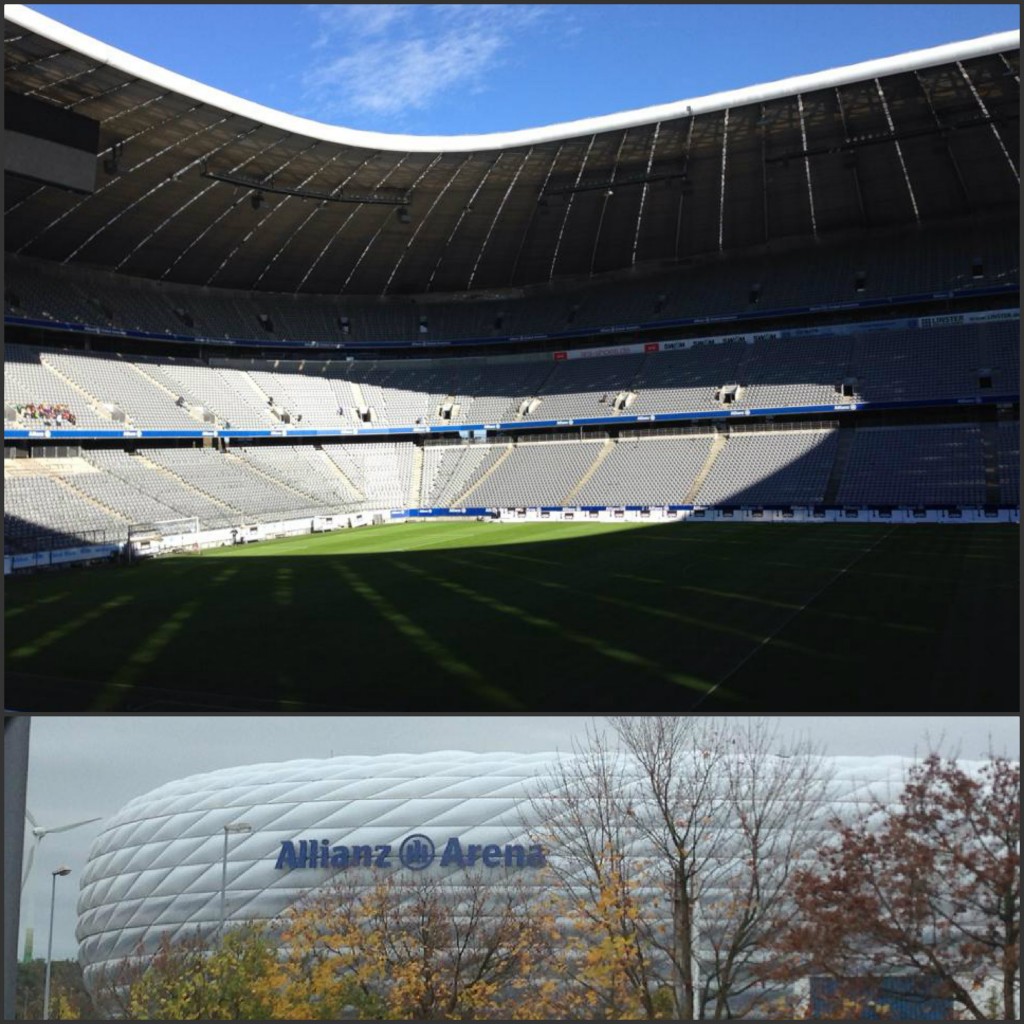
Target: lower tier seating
98 495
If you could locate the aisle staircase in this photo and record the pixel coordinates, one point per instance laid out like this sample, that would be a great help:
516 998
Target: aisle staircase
842 456
606 450
465 494
698 481
416 479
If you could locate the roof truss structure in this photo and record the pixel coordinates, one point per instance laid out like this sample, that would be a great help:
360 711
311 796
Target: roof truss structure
934 136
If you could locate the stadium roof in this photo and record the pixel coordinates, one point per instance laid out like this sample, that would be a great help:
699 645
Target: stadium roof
196 186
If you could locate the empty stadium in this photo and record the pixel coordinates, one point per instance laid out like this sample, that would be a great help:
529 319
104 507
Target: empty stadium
761 347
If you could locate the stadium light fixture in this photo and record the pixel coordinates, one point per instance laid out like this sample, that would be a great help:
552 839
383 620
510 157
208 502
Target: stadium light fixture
112 162
267 185
235 828
61 871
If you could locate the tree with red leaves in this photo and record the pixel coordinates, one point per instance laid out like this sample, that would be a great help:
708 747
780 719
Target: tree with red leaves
929 887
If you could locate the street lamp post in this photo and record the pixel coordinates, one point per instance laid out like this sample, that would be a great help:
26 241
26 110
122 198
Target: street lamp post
49 944
237 827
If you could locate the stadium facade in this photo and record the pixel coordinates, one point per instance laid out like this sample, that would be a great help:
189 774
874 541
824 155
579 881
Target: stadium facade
797 300
156 869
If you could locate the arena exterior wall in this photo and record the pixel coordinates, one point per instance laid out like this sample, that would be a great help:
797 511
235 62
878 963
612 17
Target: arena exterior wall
155 870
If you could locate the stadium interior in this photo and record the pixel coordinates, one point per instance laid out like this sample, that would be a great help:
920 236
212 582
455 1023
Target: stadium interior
802 299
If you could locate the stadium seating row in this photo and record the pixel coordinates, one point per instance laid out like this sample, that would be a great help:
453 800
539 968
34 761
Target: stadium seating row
933 259
104 391
98 495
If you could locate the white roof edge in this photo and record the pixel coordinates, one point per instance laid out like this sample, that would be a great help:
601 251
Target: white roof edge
170 80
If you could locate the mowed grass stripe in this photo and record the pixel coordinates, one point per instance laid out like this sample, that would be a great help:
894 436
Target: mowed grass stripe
424 642
692 639
591 643
919 577
520 612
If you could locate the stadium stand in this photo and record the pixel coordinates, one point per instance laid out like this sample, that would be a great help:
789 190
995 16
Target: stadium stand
531 474
41 509
1009 463
917 466
939 465
790 467
883 391
932 259
659 471
883 366
147 477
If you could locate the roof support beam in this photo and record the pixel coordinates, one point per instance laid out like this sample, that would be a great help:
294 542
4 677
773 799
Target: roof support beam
721 186
643 194
266 184
542 205
209 227
682 191
268 213
80 73
609 192
1009 70
899 150
462 214
344 224
145 195
494 220
92 97
311 214
110 181
947 149
419 226
762 121
568 209
853 162
807 165
995 130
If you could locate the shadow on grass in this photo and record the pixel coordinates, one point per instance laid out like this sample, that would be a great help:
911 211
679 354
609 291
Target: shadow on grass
554 618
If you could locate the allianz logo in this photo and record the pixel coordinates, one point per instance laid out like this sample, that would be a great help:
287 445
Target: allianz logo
415 852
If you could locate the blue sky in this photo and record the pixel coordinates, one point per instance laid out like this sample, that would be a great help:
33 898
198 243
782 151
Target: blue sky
440 69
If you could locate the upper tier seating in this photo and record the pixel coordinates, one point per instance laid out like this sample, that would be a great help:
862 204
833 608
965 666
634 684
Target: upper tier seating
877 366
927 260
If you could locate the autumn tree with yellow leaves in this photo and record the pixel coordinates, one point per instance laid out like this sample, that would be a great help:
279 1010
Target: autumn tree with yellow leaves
192 979
406 947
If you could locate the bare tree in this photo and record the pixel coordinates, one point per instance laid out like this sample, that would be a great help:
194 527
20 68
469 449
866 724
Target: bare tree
700 823
776 795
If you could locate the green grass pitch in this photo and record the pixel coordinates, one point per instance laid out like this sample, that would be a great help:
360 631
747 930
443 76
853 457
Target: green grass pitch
482 616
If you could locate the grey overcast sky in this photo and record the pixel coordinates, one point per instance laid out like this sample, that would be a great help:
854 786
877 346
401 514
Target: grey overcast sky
82 767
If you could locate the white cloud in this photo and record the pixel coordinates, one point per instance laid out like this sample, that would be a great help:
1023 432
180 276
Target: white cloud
357 20
389 59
